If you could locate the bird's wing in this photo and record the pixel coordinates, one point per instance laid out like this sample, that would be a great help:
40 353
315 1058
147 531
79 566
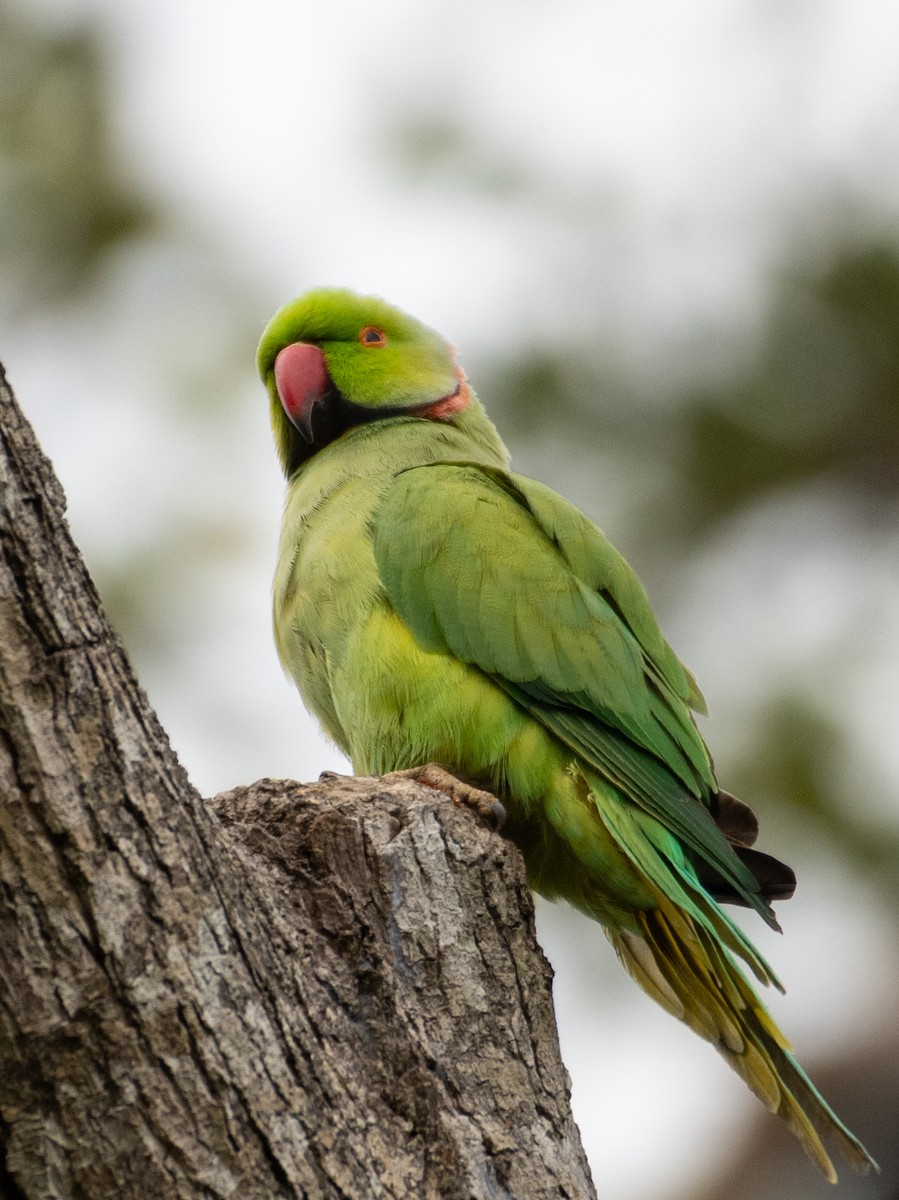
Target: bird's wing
509 577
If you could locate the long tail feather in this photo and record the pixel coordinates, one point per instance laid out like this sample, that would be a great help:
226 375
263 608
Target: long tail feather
683 953
683 967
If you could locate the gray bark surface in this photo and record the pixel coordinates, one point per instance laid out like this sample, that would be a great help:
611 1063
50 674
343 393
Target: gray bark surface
325 991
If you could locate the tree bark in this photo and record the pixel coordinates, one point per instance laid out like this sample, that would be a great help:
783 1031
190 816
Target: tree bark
323 990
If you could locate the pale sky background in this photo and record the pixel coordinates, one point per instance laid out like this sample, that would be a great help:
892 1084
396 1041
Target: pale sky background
705 134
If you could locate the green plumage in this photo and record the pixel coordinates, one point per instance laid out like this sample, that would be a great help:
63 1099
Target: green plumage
433 607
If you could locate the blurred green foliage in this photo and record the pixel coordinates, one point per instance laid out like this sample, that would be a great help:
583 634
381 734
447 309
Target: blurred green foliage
818 399
63 194
821 398
800 769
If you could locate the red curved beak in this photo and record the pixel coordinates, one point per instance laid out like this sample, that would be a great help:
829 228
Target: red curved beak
302 380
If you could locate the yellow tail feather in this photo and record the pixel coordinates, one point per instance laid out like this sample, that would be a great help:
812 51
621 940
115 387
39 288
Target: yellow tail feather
682 966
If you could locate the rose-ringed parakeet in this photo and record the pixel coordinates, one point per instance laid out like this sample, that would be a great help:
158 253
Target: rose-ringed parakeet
435 608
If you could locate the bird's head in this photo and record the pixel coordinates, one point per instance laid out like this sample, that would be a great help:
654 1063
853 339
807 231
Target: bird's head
333 360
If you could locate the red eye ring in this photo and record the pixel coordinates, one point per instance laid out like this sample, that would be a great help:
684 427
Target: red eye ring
371 335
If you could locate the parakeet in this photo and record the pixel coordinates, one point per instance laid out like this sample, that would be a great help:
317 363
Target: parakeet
434 607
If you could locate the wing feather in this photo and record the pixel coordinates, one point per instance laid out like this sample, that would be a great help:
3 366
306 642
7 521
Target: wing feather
509 577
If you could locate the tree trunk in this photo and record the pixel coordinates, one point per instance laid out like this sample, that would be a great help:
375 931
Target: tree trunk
323 990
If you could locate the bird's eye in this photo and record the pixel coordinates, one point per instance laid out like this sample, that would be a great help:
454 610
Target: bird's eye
372 336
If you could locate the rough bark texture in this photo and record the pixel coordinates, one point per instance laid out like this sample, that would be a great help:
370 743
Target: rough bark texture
331 990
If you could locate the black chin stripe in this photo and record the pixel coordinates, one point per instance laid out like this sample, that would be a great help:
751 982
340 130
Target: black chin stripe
333 415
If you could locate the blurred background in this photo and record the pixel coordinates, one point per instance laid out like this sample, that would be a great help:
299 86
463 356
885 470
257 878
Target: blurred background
665 238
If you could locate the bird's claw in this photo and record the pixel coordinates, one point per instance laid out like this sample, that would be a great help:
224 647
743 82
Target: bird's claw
485 804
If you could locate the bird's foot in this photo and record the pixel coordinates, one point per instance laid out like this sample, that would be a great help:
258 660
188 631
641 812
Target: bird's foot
485 804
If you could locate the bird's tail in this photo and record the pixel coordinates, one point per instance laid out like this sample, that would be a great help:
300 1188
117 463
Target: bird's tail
683 965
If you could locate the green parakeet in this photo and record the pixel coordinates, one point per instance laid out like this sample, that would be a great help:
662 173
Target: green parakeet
435 608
